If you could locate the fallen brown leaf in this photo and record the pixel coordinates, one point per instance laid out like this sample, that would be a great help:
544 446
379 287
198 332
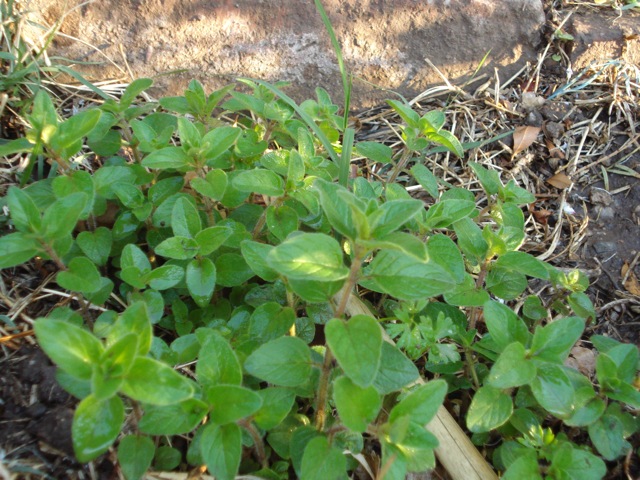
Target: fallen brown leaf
583 360
542 216
560 181
523 137
554 151
631 284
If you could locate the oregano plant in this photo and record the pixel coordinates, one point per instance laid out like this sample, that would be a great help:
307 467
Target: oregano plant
225 256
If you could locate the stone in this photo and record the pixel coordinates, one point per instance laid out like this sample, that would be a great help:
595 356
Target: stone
395 45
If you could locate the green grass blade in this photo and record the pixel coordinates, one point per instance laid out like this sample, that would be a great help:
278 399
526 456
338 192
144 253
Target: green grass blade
345 160
346 78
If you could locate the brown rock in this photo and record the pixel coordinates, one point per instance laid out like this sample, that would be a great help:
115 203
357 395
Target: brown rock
385 42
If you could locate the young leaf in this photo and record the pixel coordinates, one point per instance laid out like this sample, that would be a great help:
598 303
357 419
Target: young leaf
96 245
392 215
276 404
401 276
322 461
309 256
422 403
201 280
230 403
357 346
176 419
489 179
221 450
96 425
554 341
212 238
185 220
470 240
336 208
213 185
153 382
24 212
489 409
135 319
553 390
512 368
260 181
17 248
396 370
81 276
504 325
72 348
189 134
135 454
168 157
357 406
285 361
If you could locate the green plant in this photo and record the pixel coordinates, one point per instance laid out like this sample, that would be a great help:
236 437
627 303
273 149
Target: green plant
236 250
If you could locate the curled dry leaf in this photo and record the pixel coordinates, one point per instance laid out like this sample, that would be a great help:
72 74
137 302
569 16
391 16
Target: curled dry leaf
523 137
554 151
560 181
631 283
583 360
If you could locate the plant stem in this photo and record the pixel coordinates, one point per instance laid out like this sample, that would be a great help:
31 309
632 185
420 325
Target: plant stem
323 387
386 467
406 155
257 441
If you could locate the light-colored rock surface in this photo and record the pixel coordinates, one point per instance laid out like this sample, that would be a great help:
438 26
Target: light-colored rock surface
385 42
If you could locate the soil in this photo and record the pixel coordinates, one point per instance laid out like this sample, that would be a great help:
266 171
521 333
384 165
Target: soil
36 414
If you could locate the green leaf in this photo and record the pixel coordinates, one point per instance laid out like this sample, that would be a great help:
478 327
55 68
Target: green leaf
164 277
230 403
313 291
281 220
426 179
309 256
553 390
512 369
61 217
177 419
19 145
422 403
213 185
133 256
554 341
276 404
256 256
24 212
526 466
201 280
117 360
178 248
135 454
490 408
270 320
405 111
167 458
467 294
219 140
392 214
357 346
150 381
232 270
524 263
285 362
504 325
447 212
569 463
322 461
96 425
76 182
443 251
165 158
217 362
17 248
68 138
401 276
505 284
335 206
212 238
489 179
470 240
582 306
189 134
185 220
81 276
396 370
221 450
96 245
260 181
378 152
72 348
134 89
135 319
607 435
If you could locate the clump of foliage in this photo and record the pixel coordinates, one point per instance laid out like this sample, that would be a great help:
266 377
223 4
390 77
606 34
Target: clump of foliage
225 252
